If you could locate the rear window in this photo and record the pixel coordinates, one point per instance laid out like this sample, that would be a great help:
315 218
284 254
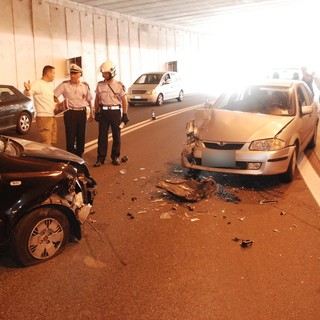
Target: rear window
7 95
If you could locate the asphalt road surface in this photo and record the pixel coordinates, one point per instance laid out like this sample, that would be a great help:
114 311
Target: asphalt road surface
148 255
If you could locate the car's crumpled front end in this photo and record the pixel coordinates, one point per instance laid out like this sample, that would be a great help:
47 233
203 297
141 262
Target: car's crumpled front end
223 141
33 175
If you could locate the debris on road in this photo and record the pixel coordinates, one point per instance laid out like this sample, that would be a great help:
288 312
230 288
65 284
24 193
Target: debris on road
130 215
192 190
246 243
268 201
226 195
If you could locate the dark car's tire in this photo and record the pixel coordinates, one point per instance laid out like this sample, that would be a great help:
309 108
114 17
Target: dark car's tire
159 101
180 98
289 174
24 123
39 236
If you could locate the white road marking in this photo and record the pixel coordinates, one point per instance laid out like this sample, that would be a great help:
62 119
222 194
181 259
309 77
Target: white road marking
94 143
310 177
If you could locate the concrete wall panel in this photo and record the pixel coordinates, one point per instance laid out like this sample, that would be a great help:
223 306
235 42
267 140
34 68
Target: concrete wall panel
113 42
73 33
134 51
42 34
100 42
124 70
7 52
59 42
87 43
24 42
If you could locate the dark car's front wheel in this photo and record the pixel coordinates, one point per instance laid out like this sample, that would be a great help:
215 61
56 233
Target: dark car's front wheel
40 235
24 123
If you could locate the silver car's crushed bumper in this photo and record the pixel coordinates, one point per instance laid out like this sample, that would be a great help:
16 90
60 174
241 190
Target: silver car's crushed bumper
243 161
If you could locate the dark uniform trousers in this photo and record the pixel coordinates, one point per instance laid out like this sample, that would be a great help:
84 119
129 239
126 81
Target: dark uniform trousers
75 127
109 118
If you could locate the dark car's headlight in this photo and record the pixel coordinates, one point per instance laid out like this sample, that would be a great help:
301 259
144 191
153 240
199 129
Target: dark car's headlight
267 145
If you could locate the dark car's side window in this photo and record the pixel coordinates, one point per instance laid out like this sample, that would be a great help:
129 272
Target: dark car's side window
7 95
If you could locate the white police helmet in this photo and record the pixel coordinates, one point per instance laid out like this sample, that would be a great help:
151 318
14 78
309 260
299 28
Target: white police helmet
109 66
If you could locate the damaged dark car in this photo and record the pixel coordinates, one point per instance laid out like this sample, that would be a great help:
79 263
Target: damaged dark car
46 194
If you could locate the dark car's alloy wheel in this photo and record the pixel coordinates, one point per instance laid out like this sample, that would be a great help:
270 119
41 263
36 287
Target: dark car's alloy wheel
40 235
24 123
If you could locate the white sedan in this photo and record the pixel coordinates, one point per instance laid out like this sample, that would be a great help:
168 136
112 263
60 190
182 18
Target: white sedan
259 130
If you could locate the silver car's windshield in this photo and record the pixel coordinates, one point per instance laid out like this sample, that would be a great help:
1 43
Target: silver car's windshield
149 78
256 99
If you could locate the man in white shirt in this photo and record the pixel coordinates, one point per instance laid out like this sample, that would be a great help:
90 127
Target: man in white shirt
44 102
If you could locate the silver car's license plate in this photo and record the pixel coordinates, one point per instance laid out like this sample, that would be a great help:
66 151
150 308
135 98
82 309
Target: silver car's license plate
218 158
137 97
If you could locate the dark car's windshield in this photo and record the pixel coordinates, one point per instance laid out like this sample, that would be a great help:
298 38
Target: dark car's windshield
259 99
149 78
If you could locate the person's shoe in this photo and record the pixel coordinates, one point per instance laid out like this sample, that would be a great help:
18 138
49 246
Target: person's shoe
116 161
98 164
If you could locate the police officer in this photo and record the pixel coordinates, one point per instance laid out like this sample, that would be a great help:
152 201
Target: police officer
77 97
111 107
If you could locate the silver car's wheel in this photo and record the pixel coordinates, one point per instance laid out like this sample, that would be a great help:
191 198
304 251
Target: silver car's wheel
160 100
289 174
39 236
180 98
24 123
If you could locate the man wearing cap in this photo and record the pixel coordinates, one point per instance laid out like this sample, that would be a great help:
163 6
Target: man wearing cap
111 105
77 97
42 92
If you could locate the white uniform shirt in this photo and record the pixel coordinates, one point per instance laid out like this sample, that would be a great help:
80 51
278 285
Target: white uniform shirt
76 95
105 94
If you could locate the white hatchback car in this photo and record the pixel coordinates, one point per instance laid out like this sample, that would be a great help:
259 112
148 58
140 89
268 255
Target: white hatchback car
155 88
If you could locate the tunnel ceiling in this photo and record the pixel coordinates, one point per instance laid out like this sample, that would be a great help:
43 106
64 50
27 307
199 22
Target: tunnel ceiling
197 15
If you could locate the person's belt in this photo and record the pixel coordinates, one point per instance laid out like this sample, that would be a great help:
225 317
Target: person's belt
104 107
77 109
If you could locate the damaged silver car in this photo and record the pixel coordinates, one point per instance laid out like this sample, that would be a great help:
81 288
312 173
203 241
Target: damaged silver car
46 194
259 130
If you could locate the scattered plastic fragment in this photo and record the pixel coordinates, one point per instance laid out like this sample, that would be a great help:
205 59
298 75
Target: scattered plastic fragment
177 170
166 215
123 171
268 201
246 243
134 199
276 230
282 213
141 169
241 218
124 159
223 194
142 211
189 189
130 215
194 219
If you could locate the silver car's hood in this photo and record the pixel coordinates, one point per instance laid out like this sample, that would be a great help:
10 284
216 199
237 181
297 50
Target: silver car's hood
224 125
39 150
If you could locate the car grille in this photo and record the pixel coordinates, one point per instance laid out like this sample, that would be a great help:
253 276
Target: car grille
139 91
221 146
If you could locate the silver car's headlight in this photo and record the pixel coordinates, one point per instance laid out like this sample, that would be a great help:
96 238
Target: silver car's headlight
149 92
267 145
